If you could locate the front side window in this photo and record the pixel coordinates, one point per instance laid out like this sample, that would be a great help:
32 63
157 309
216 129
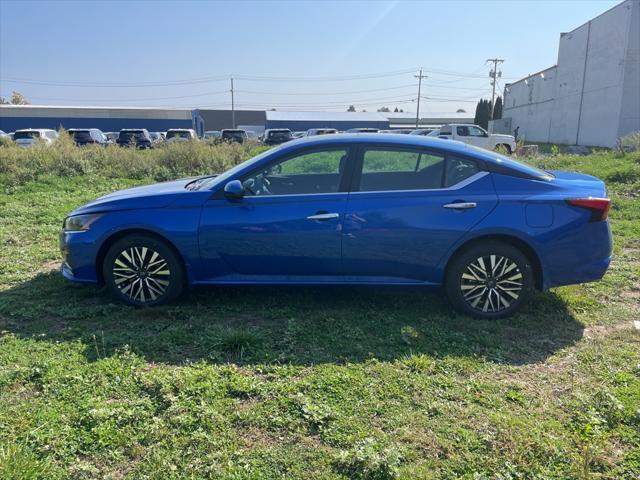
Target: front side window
477 132
312 172
390 169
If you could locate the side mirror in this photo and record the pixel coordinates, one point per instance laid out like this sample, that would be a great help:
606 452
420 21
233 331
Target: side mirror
234 190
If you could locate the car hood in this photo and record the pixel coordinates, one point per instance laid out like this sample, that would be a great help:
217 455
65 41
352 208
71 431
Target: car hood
157 195
503 137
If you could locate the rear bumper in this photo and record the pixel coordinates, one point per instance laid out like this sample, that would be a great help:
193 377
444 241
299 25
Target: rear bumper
581 257
583 273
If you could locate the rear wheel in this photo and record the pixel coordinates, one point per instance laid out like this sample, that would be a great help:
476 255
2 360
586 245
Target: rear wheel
489 280
141 270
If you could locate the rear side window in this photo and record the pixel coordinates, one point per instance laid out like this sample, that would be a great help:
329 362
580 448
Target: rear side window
388 170
459 169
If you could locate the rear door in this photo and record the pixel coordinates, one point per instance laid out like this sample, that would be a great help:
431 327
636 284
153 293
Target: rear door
407 208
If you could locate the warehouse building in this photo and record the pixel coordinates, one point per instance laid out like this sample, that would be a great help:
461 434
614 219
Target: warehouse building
14 117
107 119
592 96
338 120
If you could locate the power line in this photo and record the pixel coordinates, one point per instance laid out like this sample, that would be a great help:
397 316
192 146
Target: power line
330 93
218 78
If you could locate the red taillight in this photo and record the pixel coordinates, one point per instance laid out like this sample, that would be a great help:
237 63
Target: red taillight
599 206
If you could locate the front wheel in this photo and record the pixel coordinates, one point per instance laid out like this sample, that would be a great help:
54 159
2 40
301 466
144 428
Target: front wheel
141 270
489 280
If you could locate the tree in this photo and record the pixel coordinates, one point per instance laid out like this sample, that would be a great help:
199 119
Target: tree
497 110
395 110
16 99
351 108
384 109
483 113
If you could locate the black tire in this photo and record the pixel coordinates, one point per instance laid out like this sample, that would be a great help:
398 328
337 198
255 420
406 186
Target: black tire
498 292
504 146
141 270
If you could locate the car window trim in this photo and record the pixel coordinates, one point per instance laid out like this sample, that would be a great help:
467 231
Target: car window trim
461 184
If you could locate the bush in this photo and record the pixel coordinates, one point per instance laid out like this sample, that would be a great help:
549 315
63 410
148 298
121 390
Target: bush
63 158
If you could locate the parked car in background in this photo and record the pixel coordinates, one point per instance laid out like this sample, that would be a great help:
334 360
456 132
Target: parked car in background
477 136
181 135
351 209
320 131
86 136
233 135
421 131
363 130
276 136
156 138
298 134
212 135
397 131
134 137
30 137
11 135
112 136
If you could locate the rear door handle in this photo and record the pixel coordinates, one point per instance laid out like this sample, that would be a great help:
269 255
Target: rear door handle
460 205
323 216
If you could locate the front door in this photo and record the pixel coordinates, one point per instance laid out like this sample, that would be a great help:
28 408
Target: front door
410 207
287 227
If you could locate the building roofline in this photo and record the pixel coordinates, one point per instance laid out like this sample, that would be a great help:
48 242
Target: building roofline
531 75
98 107
596 17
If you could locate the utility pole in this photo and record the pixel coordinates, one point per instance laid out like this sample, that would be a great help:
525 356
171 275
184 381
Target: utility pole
494 74
233 109
419 77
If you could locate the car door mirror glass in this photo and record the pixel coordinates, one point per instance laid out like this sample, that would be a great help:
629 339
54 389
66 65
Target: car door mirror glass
234 189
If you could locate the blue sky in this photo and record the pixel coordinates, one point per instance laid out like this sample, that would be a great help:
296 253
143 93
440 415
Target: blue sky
300 55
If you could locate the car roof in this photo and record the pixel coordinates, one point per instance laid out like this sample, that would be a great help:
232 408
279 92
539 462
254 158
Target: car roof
392 139
35 130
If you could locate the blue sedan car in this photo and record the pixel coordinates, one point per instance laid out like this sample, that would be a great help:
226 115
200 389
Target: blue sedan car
367 209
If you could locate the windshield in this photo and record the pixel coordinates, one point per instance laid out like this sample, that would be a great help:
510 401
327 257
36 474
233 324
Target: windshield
21 135
230 173
178 134
280 134
233 134
522 167
80 134
129 135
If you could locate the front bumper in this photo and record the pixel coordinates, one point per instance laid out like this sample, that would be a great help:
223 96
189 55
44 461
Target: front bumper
78 257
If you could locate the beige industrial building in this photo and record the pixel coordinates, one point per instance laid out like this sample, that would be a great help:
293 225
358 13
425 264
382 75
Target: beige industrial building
592 96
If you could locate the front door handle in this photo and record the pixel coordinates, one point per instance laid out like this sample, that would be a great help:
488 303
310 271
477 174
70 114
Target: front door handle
460 205
323 216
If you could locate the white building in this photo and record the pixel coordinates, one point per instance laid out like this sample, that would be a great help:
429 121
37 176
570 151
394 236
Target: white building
592 96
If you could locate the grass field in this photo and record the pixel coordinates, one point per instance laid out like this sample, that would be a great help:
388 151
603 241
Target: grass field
301 383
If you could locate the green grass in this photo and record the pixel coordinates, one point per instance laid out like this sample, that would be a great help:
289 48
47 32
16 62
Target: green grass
335 383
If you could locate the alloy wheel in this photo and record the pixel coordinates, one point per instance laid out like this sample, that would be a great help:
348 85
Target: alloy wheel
491 283
141 273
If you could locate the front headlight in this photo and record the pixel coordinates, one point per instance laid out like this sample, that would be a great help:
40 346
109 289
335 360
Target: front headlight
80 223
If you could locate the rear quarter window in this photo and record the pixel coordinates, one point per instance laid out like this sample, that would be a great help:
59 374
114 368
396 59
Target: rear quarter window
459 169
